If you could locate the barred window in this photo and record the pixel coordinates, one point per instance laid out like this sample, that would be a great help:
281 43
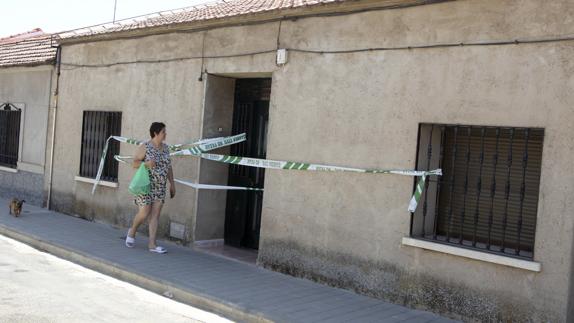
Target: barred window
487 198
9 134
97 127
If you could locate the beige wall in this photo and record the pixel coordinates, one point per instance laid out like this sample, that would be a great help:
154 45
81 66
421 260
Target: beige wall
363 110
347 228
168 91
29 88
144 93
210 217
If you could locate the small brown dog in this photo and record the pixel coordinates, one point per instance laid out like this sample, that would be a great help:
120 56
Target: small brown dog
16 206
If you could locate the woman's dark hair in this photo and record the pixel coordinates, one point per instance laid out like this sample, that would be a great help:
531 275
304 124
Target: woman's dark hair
156 128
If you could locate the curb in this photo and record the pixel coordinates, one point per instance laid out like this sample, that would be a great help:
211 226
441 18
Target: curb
186 296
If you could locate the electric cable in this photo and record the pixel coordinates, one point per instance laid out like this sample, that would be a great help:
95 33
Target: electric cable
348 51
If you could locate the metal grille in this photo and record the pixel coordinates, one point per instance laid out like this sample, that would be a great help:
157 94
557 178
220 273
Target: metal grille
9 135
250 115
247 91
487 198
97 127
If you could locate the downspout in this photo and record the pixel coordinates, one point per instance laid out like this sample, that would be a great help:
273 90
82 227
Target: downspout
52 143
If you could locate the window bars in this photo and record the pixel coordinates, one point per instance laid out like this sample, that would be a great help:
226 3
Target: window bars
487 198
10 117
97 127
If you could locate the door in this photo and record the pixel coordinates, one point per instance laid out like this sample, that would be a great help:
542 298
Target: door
243 209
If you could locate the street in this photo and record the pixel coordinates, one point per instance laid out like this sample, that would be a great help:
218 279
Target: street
38 287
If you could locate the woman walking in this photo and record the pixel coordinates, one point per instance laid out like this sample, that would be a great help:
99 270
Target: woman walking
155 156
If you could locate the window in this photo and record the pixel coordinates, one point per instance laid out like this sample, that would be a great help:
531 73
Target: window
487 198
9 134
97 127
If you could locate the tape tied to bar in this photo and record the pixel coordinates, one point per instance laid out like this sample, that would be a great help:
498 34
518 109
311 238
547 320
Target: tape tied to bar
201 147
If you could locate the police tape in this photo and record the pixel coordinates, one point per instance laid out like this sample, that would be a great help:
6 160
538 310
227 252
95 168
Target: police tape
200 148
202 145
217 187
417 194
211 143
278 164
124 160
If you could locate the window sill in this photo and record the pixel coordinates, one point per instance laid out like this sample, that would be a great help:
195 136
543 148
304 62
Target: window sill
472 254
8 169
31 168
93 181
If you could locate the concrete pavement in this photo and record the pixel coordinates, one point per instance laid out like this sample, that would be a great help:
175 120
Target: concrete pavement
236 290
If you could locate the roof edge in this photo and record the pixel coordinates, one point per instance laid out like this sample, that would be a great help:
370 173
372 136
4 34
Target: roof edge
34 33
330 9
51 61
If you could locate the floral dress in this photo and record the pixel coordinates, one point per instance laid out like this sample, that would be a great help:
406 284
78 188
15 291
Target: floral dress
157 175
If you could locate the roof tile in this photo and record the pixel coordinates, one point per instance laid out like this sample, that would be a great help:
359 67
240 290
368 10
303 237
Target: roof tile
30 51
216 10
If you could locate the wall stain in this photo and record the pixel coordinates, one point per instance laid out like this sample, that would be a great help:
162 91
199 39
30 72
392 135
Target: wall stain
387 281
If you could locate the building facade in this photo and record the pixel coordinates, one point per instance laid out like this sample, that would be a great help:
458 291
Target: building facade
480 89
26 78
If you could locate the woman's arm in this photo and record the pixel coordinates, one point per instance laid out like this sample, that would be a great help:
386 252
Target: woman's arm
139 158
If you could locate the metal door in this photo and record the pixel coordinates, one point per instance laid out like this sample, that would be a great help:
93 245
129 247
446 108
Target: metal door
243 210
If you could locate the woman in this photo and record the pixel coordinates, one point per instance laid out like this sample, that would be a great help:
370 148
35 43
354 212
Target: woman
155 156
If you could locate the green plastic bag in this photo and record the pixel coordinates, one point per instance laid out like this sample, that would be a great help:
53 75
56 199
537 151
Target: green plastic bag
140 183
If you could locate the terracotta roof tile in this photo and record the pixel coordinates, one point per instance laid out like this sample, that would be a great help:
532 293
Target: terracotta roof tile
201 12
30 51
28 34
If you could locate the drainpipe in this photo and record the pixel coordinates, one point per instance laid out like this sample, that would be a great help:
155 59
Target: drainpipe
52 143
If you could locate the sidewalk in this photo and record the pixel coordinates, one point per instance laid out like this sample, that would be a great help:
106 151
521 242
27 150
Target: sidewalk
239 291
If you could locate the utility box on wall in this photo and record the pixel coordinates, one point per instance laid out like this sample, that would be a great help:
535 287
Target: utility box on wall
177 230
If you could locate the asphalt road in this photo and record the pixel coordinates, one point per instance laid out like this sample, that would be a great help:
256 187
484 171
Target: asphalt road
38 287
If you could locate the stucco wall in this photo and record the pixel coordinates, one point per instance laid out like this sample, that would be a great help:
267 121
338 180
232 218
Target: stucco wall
363 110
210 217
346 229
29 89
145 92
22 185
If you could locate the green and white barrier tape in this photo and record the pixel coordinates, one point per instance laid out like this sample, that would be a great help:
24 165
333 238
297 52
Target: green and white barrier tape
217 187
124 160
199 148
204 145
418 193
277 164
101 166
211 143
